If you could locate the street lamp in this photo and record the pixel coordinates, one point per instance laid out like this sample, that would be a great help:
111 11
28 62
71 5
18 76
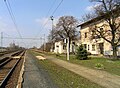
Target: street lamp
52 18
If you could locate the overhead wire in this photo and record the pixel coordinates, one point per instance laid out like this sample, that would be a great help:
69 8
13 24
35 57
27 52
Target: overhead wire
50 15
51 7
22 38
7 36
7 3
57 7
46 17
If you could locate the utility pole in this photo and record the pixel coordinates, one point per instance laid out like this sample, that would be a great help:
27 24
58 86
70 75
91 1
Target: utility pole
44 42
52 18
41 43
1 40
68 49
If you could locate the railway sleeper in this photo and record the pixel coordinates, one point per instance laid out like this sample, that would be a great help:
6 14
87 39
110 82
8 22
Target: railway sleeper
4 82
5 62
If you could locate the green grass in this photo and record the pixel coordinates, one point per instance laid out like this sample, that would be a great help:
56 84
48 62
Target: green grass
112 67
37 53
64 78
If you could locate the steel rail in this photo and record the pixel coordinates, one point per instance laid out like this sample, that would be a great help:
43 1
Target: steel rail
6 78
4 82
5 62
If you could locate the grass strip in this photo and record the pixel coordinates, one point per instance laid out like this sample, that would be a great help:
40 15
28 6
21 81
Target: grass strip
65 78
110 66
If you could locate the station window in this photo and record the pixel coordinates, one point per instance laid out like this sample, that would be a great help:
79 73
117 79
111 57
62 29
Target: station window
73 43
93 34
64 47
88 47
57 46
101 29
93 47
86 35
85 46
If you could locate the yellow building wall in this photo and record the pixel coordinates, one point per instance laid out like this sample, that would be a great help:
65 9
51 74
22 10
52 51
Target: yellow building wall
89 42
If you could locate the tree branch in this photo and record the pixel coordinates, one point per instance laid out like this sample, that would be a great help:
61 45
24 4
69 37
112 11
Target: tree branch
102 35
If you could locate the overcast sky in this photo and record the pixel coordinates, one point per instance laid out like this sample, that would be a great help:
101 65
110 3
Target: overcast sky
31 16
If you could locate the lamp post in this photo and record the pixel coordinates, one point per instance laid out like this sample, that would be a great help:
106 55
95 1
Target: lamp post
52 18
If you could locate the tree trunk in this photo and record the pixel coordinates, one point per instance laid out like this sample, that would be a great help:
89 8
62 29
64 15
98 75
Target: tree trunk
114 52
69 43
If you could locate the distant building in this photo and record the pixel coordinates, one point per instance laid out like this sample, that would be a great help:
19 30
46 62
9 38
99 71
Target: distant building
61 47
2 49
13 46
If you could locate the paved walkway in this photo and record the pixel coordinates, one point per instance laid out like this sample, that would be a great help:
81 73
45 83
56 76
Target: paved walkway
35 76
102 78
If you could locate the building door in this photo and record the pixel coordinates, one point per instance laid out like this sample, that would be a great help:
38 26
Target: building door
101 46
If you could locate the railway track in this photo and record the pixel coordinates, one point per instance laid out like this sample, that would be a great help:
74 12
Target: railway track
6 52
7 67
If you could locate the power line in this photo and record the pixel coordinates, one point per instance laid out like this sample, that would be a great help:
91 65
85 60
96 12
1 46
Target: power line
50 15
50 8
23 38
46 17
7 3
5 34
57 7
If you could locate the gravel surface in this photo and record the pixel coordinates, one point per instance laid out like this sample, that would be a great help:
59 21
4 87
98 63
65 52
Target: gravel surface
35 76
5 69
12 83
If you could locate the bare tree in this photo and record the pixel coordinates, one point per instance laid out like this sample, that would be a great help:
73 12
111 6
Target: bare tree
87 17
110 11
53 35
65 28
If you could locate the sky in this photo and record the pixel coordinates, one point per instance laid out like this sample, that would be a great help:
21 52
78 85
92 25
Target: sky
32 18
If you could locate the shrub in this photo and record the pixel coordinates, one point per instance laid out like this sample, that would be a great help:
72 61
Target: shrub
88 53
57 55
81 53
99 66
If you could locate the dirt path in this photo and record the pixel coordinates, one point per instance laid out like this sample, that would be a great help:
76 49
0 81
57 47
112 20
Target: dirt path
102 78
